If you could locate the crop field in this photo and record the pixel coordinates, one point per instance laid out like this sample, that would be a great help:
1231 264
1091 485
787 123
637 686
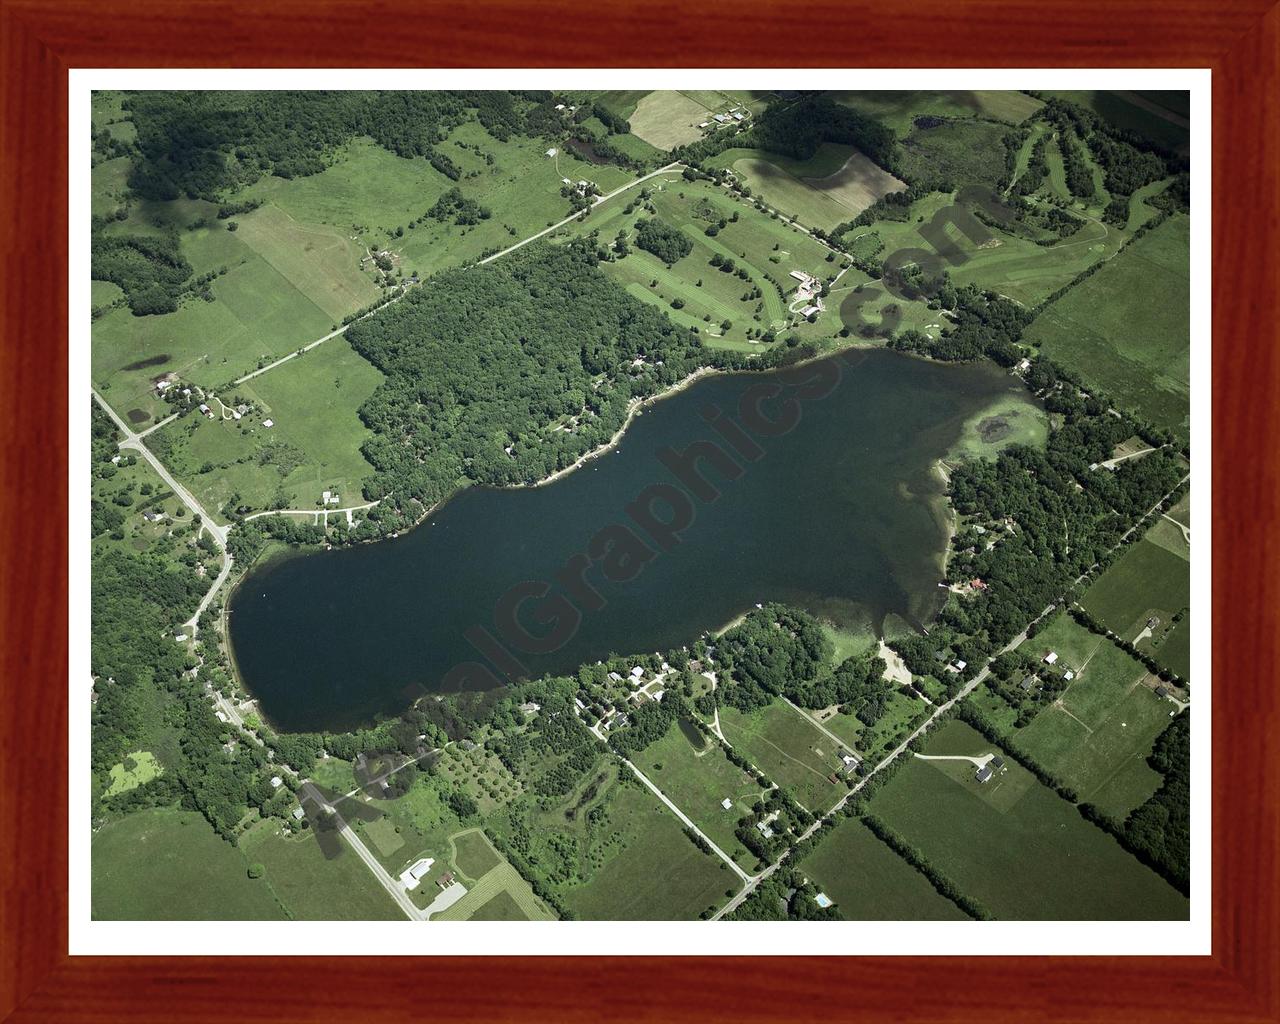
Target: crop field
321 262
657 875
697 781
313 446
1127 328
869 882
499 895
790 750
834 185
900 109
256 315
167 865
1097 736
766 248
1017 847
304 879
666 119
1148 579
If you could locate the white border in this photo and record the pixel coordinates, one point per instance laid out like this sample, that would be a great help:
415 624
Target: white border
629 938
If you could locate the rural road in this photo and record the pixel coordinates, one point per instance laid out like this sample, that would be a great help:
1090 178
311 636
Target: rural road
394 889
685 818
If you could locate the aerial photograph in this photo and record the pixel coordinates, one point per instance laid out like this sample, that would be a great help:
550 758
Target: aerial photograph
743 505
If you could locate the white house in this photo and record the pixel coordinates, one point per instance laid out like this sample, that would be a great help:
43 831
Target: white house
1051 658
268 423
415 872
637 672
727 804
276 782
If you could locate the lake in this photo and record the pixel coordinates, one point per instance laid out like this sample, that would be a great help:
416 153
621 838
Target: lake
813 486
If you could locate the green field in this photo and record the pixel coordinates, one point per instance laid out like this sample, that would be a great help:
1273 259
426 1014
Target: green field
1008 264
1097 736
1127 328
139 767
899 109
1016 846
869 882
168 865
785 745
473 854
500 895
831 187
667 118
312 401
697 781
961 152
305 881
658 875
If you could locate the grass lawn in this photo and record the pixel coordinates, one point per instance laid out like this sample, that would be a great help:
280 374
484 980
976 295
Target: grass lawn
869 882
474 856
334 774
139 767
1016 846
899 109
317 434
697 781
834 185
1127 328
313 887
785 745
657 874
168 865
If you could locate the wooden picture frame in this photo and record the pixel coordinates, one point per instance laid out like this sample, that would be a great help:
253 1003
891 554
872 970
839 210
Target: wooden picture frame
40 40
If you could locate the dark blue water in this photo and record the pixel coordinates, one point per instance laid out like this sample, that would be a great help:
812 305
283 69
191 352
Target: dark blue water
830 503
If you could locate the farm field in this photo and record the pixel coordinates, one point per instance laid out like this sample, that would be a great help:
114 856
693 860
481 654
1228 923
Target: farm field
790 750
168 865
498 895
900 109
304 880
257 315
869 882
697 781
1015 845
1097 736
834 185
658 874
313 446
666 119
1126 329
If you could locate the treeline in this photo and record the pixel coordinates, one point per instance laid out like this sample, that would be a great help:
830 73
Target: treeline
916 858
1158 831
151 270
797 128
201 144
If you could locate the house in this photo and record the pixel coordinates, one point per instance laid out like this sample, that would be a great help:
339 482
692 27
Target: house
268 423
637 672
996 763
823 900
276 781
221 716
1028 684
727 804
565 181
204 408
1068 675
961 665
559 106
416 871
324 496
809 311
977 584
765 830
615 677
552 151
298 813
530 708
657 695
1051 658
984 773
235 415
1153 622
1162 691
720 118
939 656
704 124
1024 366
800 276
739 116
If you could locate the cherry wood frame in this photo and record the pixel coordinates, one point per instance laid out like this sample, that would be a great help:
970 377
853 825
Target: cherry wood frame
41 39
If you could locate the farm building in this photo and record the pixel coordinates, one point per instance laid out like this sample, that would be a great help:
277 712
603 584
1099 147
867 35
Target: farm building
1051 658
984 773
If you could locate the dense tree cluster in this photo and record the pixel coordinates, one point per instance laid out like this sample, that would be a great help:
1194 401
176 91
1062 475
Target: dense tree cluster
668 243
151 270
775 649
504 373
986 324
453 205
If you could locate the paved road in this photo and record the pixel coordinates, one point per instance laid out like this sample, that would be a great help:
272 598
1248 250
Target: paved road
133 441
394 889
569 220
